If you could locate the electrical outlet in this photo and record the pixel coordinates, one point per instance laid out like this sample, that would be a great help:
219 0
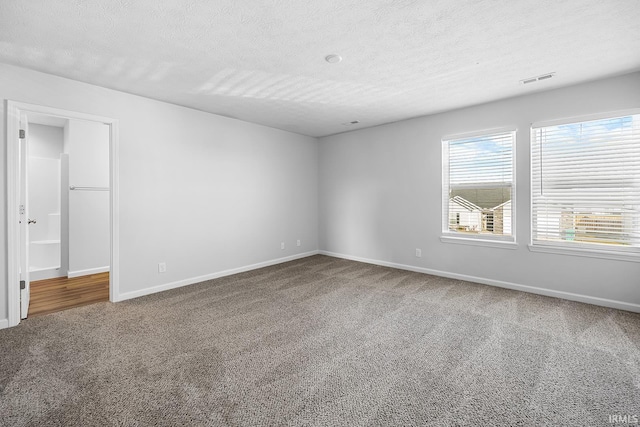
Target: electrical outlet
418 253
281 245
298 242
162 267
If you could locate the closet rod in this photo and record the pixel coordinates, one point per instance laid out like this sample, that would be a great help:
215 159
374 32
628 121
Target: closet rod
73 187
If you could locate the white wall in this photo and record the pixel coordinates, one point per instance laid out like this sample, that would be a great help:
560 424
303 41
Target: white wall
45 146
45 141
88 149
202 193
380 194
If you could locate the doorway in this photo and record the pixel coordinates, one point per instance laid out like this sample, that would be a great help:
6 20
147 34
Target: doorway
72 245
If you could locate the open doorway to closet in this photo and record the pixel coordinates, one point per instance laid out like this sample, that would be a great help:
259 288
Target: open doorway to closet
62 222
68 224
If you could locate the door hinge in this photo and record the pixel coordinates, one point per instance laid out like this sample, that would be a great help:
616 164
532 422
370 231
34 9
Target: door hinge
23 284
22 134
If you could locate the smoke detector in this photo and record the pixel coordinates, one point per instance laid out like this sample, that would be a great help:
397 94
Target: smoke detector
333 59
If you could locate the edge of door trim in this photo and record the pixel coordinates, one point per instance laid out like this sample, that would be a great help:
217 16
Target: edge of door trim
14 108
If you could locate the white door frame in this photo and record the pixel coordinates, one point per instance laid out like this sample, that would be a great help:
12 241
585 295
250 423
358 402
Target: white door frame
14 109
25 218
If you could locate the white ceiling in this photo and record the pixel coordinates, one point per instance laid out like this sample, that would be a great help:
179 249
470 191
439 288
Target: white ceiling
263 60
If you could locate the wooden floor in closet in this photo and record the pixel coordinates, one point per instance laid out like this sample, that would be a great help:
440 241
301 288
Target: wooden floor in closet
62 293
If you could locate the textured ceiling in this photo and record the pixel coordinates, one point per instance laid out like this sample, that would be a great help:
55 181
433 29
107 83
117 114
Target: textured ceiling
263 60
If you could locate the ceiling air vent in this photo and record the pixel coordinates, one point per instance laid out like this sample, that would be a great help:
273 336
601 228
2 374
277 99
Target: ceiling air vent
537 78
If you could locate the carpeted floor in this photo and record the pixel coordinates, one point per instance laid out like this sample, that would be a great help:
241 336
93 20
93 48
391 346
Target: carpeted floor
324 341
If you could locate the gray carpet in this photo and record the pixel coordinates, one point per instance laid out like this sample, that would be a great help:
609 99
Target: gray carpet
324 341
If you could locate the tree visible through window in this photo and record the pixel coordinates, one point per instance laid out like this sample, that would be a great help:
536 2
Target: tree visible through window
585 184
478 185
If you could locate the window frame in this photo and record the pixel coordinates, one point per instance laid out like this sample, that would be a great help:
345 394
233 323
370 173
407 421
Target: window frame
592 250
487 240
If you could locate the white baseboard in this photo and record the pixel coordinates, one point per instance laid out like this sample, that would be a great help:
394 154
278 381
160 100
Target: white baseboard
193 280
87 272
508 285
4 323
46 274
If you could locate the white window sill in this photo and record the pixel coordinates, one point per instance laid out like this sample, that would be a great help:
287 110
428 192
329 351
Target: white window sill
489 243
591 253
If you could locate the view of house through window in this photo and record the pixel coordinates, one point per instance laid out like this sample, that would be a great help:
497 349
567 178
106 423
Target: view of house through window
585 183
478 185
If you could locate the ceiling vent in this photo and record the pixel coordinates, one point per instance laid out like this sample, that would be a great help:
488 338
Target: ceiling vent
537 78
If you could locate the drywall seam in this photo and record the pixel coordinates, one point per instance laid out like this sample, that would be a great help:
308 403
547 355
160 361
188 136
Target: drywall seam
193 280
501 284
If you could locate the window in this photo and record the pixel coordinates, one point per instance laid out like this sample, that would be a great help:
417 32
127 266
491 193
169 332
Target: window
478 186
585 185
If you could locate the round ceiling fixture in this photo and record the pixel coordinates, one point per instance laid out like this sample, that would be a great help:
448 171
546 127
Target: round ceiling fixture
333 59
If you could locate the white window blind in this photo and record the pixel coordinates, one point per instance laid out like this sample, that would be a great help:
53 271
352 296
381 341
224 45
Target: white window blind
478 185
585 184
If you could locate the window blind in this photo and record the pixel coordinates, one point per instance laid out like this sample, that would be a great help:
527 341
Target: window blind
585 184
478 183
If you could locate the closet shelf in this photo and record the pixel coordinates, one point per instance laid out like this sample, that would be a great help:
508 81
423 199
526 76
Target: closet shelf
44 242
36 268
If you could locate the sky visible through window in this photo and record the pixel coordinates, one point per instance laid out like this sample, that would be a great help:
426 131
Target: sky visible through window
591 134
485 159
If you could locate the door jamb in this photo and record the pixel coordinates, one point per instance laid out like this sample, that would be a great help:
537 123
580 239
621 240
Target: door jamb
14 109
